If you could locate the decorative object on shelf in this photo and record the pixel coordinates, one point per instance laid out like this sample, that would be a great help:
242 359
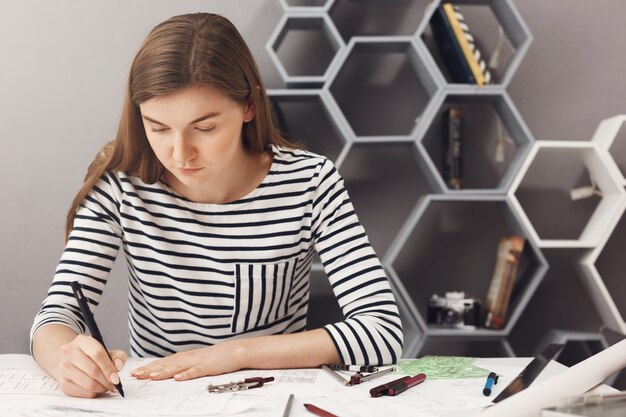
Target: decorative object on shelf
457 46
504 275
454 310
586 191
452 147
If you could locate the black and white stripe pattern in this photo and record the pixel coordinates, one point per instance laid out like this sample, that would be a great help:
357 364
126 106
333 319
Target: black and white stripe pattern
204 273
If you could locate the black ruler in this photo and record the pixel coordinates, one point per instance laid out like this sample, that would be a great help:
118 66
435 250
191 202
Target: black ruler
534 368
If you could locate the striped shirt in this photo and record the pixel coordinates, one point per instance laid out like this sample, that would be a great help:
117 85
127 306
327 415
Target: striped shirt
202 273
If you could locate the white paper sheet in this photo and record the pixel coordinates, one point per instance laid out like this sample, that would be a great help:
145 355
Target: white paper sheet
143 397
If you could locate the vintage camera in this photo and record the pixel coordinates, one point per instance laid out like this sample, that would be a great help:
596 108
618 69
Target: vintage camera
454 310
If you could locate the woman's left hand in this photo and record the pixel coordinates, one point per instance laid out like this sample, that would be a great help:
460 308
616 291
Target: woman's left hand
211 360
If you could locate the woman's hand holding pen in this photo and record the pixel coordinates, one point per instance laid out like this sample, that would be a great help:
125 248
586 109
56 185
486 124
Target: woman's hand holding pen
85 370
196 363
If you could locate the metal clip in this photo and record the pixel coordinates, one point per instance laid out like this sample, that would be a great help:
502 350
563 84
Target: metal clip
247 383
358 377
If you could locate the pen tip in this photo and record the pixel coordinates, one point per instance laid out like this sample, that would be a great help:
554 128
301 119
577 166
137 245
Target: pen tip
121 391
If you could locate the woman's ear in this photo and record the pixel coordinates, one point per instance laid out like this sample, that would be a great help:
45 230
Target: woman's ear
249 113
250 110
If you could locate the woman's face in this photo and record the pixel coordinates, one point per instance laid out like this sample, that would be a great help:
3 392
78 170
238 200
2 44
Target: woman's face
195 133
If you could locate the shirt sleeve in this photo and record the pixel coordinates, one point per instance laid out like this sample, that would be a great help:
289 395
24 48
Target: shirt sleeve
88 257
372 330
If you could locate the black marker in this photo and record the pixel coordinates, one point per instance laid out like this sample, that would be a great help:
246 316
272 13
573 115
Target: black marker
91 323
491 379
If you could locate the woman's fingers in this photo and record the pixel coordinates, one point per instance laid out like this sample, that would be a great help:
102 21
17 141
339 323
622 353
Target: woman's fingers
119 359
104 366
75 390
159 369
87 382
85 369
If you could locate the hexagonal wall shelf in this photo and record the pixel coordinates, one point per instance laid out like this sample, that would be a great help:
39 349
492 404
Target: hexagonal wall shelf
375 175
602 269
497 28
382 89
494 142
594 220
377 18
304 6
611 135
449 243
303 116
290 44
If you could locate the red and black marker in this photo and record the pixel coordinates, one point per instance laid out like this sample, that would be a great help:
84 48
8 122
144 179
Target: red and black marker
402 386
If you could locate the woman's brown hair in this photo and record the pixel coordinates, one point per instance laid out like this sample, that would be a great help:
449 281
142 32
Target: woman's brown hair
191 49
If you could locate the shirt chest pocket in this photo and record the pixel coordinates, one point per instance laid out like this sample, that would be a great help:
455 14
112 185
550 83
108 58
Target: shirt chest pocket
262 294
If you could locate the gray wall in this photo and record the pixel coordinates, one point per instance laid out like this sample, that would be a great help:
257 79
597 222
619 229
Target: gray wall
63 68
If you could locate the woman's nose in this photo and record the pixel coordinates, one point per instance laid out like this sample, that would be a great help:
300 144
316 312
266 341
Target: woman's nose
183 150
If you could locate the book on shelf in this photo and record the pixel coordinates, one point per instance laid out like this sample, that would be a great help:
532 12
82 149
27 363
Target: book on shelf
496 304
452 147
457 46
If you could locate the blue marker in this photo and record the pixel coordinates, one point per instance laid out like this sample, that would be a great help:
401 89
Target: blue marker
491 379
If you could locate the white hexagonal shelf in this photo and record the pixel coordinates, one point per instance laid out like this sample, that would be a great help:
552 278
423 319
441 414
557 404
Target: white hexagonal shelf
611 135
598 164
604 302
289 47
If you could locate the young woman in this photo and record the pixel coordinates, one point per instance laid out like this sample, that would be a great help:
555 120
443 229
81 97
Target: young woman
219 218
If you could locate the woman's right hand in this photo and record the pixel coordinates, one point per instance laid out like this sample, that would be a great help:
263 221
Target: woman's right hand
85 370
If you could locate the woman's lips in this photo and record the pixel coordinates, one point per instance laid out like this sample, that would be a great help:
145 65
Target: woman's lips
189 171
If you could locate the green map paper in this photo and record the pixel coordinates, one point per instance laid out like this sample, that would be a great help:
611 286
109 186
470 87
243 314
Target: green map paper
443 367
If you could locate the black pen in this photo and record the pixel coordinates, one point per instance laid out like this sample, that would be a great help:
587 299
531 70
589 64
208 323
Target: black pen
91 323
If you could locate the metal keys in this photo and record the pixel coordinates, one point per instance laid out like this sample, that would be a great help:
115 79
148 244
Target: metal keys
247 383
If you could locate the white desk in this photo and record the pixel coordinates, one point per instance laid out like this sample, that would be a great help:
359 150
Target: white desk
33 394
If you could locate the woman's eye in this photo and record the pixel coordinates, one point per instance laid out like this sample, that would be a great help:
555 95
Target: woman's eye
160 129
208 129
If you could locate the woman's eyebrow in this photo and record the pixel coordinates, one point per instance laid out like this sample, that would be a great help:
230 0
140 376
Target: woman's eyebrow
199 119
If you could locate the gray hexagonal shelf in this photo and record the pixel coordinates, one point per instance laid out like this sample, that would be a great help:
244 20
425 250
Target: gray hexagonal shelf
507 34
378 18
290 44
382 89
490 125
449 243
594 220
303 116
375 175
304 6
